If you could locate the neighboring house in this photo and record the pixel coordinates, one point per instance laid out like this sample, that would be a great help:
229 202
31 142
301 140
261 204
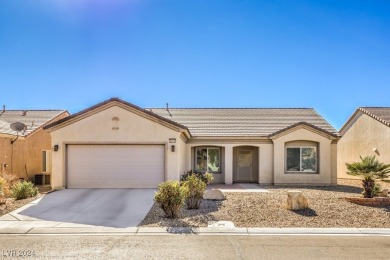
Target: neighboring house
367 132
115 144
22 153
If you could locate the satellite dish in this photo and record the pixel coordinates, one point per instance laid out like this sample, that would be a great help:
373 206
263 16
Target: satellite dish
17 127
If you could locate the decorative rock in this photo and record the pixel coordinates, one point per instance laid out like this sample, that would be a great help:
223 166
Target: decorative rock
296 201
213 195
384 193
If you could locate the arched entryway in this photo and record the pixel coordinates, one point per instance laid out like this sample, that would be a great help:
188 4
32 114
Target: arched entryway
246 164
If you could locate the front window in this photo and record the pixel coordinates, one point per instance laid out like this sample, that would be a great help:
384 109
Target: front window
207 159
301 159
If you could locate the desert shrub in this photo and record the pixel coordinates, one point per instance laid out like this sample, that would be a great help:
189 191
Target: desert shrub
24 190
205 177
8 180
195 187
3 187
170 196
370 169
2 194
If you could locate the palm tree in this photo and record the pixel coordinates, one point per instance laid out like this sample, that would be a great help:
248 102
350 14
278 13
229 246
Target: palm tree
370 168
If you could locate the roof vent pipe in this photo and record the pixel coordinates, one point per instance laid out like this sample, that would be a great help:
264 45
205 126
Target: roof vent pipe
168 110
2 112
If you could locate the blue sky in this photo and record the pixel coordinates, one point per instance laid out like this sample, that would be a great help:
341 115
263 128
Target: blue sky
70 54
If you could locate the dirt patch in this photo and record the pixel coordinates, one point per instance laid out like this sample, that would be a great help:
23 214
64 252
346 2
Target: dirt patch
328 208
12 204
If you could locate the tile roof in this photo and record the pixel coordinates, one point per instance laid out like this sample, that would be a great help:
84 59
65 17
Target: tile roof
246 122
168 120
381 114
33 119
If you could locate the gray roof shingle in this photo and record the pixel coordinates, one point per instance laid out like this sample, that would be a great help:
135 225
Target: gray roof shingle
246 122
33 119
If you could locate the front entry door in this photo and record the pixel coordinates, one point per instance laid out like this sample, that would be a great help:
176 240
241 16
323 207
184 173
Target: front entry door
244 165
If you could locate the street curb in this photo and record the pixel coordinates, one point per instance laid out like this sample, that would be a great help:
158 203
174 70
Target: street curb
195 231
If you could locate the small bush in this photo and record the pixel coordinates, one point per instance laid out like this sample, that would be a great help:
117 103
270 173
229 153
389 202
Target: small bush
195 187
24 190
377 189
2 194
205 177
171 196
4 187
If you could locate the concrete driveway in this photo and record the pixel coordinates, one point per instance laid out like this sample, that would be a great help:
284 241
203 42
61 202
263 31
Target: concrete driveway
117 208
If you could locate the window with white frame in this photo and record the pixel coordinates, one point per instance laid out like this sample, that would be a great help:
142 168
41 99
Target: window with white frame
301 159
208 159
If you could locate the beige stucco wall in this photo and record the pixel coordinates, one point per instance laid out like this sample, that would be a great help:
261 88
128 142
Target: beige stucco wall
364 134
266 163
325 175
132 129
27 154
182 154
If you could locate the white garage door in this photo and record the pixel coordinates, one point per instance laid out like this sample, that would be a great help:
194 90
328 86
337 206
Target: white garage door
115 166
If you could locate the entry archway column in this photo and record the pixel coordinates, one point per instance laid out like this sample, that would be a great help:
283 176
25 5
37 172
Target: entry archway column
228 164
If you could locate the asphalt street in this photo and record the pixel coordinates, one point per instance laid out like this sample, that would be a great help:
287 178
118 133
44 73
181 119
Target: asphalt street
193 247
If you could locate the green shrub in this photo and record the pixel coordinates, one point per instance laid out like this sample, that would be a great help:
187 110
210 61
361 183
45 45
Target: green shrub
24 190
171 196
195 187
205 177
370 169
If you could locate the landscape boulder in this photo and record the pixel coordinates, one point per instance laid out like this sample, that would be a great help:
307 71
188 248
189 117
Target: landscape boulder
384 193
296 200
213 195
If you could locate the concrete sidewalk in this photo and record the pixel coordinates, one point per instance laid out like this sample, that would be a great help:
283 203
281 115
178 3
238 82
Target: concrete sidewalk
36 228
237 187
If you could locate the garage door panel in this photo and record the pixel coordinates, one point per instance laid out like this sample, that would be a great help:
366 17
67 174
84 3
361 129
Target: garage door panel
115 166
117 184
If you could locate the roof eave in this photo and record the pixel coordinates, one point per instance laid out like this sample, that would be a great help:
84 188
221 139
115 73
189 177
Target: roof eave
307 126
112 102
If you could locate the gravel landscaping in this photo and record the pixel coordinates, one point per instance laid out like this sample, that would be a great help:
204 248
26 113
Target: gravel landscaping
327 209
12 204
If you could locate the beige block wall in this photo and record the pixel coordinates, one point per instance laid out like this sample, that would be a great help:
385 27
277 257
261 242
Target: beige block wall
360 139
325 176
98 128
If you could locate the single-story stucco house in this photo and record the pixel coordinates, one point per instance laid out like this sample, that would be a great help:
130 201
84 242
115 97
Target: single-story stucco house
367 132
116 144
24 154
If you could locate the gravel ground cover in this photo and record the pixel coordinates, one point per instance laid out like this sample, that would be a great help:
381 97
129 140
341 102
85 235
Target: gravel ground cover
12 204
327 209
